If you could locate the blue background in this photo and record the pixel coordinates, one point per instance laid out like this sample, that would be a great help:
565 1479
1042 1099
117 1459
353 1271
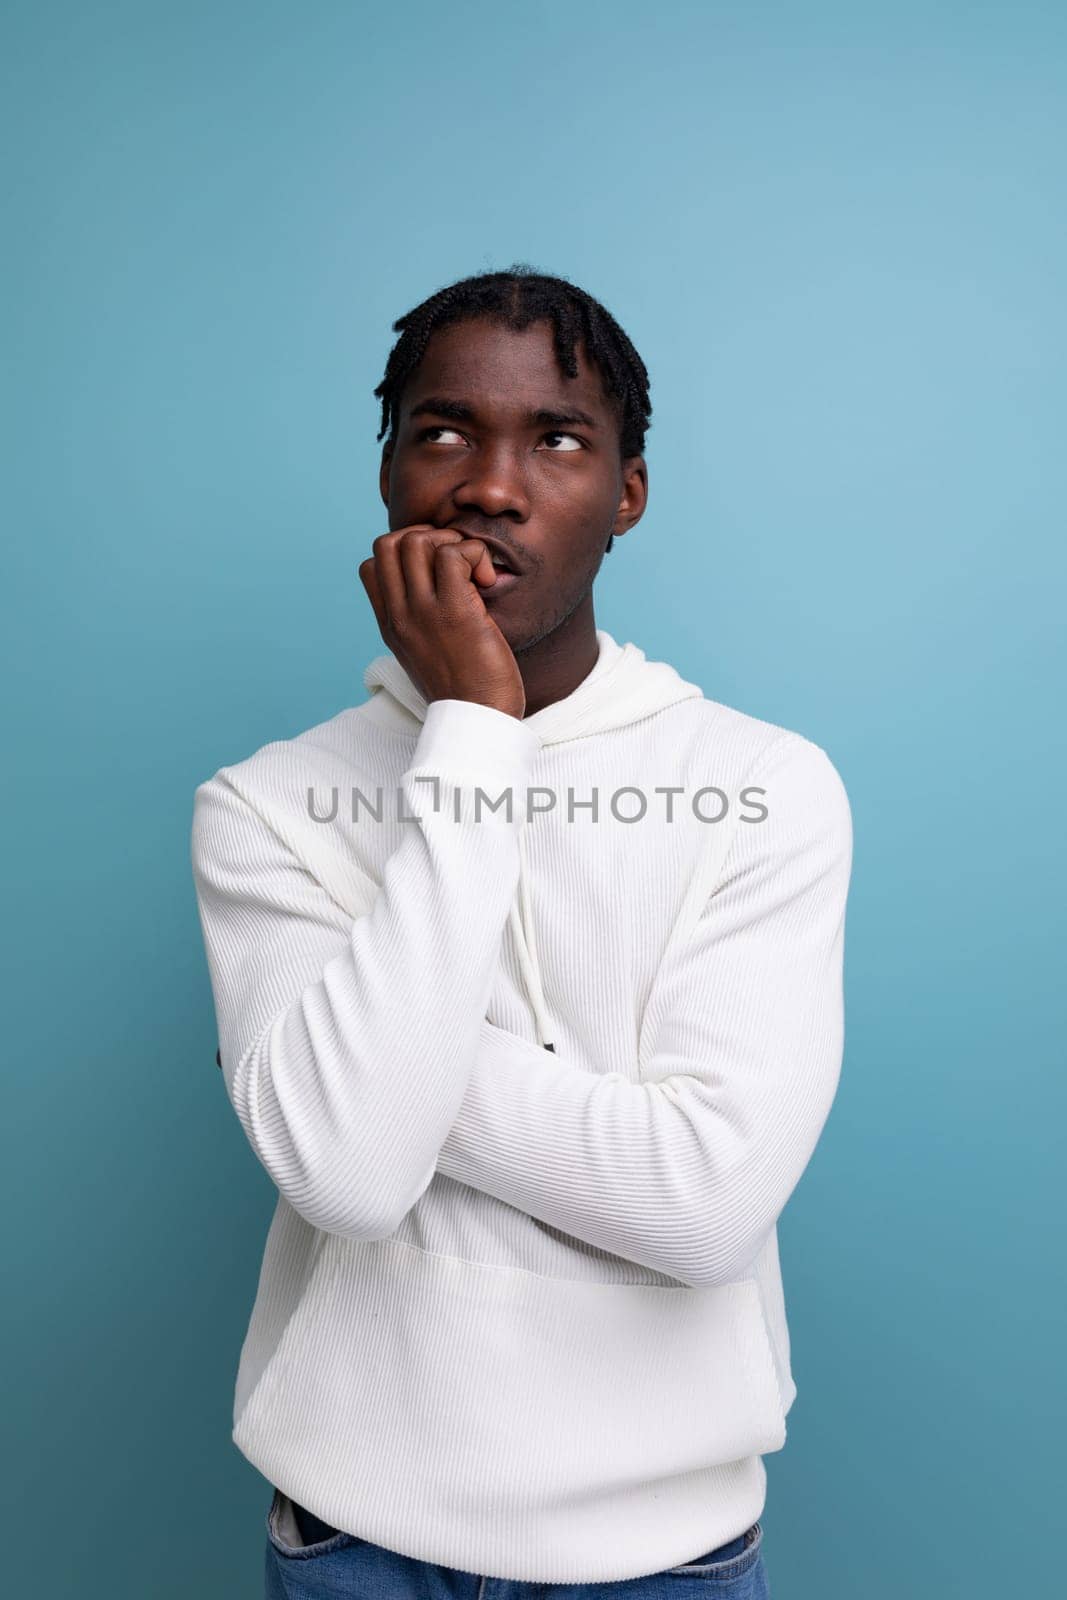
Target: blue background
837 235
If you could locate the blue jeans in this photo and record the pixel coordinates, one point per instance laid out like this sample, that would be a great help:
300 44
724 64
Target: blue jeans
329 1565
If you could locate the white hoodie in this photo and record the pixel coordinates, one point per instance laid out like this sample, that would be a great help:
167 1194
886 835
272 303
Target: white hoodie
534 1090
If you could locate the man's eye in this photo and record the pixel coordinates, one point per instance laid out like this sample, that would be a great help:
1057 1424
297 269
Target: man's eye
426 432
432 436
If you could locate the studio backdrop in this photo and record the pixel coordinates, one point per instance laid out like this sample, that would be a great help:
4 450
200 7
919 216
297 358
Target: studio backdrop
836 235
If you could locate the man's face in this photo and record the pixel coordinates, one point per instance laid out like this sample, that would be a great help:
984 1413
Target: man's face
493 440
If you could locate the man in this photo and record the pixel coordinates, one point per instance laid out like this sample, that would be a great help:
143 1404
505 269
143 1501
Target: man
528 979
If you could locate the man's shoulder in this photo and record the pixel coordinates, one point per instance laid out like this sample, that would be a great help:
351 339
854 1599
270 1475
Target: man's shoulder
726 735
332 749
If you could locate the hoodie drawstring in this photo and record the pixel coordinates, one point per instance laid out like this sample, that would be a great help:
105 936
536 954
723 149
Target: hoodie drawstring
623 687
522 928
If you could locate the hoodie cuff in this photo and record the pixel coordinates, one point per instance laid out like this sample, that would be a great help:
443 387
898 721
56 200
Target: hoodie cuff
465 738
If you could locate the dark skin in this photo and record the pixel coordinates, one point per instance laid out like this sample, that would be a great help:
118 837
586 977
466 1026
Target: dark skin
551 492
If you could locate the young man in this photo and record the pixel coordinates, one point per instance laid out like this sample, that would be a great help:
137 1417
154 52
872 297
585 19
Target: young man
528 979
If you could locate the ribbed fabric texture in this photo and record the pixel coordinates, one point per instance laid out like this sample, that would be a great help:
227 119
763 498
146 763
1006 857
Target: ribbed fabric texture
520 1312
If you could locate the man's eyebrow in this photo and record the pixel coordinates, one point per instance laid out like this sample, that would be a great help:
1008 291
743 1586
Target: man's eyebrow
458 411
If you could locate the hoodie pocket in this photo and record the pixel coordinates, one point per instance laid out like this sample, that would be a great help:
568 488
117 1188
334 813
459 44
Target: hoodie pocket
283 1531
722 1567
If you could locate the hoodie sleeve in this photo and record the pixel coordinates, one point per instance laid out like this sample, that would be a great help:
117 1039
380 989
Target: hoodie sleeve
345 1044
687 1171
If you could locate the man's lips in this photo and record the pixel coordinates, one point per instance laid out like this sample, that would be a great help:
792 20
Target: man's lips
504 581
495 547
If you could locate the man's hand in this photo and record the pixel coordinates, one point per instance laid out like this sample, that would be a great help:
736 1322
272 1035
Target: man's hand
423 584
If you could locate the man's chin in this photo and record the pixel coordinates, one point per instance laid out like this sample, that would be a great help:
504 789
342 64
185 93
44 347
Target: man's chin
519 635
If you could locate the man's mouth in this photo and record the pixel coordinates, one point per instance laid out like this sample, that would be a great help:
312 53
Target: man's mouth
505 580
504 561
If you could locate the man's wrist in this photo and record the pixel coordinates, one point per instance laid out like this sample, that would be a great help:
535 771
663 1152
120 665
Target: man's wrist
484 743
507 707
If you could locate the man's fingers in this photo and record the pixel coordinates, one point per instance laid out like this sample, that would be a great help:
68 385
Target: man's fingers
391 583
368 573
418 549
455 566
415 567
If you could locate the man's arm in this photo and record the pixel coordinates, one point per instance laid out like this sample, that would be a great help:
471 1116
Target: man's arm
687 1171
345 1044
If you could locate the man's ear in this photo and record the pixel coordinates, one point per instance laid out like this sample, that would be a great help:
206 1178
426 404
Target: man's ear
383 472
634 497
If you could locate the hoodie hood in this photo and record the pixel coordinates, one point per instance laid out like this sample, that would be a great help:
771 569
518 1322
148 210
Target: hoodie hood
622 688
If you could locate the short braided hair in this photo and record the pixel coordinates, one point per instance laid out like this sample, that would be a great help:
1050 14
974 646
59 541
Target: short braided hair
518 296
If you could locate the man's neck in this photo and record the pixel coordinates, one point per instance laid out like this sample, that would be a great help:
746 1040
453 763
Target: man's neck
555 666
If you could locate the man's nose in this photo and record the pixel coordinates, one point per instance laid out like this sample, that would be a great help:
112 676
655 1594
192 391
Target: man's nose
495 482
